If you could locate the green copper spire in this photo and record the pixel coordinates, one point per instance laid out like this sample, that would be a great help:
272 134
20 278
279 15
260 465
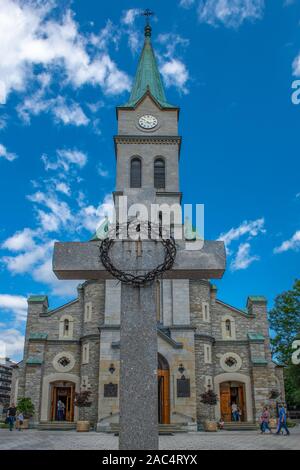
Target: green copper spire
147 77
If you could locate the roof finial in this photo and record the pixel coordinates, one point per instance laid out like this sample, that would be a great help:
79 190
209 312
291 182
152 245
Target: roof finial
147 13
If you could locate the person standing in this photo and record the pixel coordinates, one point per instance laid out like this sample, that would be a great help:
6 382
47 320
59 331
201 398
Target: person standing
11 416
265 420
282 421
20 419
234 411
60 410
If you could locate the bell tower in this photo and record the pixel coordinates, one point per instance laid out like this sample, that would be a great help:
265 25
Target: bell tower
147 145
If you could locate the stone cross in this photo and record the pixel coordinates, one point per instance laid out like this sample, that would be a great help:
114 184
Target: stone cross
138 328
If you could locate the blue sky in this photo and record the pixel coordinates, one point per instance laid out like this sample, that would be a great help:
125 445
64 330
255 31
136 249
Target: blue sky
229 65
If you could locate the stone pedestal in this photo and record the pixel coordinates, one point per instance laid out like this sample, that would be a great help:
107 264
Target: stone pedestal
138 372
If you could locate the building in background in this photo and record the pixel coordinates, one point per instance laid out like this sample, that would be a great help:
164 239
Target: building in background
6 368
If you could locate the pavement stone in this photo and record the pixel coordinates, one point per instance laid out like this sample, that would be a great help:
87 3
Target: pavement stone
34 439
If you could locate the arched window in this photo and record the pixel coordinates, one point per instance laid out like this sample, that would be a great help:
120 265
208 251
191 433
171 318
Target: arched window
159 174
66 327
136 173
228 328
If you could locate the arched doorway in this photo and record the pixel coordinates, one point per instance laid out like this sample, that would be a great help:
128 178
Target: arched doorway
163 383
232 393
64 393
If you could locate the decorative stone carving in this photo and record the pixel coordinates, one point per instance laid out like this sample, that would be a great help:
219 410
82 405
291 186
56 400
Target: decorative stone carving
63 362
231 362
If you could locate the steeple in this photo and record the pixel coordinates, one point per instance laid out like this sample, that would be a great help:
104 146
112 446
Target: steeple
148 79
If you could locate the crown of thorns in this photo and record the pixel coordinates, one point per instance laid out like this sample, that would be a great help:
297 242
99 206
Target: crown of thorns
158 234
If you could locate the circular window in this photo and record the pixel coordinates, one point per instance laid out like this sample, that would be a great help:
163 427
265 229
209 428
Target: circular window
230 362
63 362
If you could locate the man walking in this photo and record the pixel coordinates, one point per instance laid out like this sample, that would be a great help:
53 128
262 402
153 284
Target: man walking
282 424
11 416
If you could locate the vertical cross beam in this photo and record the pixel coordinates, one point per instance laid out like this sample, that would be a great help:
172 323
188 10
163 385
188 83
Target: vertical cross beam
138 369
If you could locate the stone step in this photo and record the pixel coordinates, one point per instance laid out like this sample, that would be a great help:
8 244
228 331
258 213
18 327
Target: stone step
56 426
162 428
243 426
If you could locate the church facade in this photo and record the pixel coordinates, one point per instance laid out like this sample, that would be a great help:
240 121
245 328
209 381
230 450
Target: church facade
203 343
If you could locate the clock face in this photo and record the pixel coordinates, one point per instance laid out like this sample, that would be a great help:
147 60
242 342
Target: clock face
148 121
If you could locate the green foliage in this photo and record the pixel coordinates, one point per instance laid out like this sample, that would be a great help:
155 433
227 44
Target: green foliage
285 322
26 407
292 384
209 398
82 399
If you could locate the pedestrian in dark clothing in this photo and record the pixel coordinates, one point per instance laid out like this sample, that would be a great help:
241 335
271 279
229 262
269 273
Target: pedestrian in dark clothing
11 416
282 424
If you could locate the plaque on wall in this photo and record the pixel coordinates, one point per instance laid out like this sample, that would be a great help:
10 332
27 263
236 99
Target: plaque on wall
183 388
110 390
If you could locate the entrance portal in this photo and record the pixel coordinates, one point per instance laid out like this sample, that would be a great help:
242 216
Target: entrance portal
63 392
163 382
232 393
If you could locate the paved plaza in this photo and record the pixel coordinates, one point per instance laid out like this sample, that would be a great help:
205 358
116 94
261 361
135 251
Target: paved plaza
71 440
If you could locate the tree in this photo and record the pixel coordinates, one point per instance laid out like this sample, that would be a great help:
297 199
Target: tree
26 407
82 400
210 399
285 322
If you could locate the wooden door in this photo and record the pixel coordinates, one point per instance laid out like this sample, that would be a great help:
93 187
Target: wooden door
225 402
70 404
163 396
241 402
53 403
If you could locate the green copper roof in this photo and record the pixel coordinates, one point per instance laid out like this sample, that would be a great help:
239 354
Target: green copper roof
257 298
38 336
256 336
34 361
258 361
102 231
38 298
147 77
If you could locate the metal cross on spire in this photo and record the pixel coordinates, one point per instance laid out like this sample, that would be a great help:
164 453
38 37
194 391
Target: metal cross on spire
147 13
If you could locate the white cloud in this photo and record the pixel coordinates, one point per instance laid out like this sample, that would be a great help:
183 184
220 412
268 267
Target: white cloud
243 259
130 15
91 216
24 262
175 73
292 244
186 3
68 113
12 343
30 36
101 171
3 122
230 13
20 241
59 211
4 153
250 228
65 158
63 188
43 273
172 68
15 304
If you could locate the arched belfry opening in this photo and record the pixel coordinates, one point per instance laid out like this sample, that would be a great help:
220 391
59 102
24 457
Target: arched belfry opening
163 384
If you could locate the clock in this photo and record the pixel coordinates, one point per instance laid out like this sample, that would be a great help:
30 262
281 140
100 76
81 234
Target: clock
148 122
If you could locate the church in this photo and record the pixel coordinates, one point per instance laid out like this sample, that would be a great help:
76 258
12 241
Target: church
203 343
